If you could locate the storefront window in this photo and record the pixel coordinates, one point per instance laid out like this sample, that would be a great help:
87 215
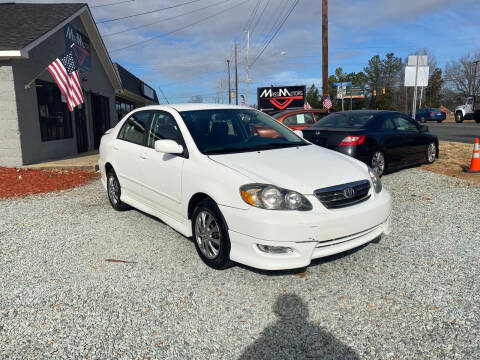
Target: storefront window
123 107
55 119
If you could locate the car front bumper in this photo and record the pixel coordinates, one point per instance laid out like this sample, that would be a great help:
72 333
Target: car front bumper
309 235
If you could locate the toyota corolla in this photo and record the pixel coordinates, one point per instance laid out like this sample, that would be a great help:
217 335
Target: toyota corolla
267 199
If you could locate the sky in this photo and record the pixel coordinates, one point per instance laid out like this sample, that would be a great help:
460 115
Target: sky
183 50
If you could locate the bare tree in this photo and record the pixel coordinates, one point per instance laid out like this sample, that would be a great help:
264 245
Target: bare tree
460 75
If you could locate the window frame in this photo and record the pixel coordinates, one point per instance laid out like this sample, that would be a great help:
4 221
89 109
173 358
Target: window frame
404 117
66 121
147 124
185 153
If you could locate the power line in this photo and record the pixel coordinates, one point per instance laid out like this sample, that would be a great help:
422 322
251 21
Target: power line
165 19
110 4
148 12
276 32
179 29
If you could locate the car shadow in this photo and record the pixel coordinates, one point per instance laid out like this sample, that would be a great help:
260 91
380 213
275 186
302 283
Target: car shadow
293 336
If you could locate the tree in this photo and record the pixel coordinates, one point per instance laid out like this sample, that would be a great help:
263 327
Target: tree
196 99
313 97
460 74
433 91
380 74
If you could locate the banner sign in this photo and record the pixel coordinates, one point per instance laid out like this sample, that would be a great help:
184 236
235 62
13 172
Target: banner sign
80 46
281 97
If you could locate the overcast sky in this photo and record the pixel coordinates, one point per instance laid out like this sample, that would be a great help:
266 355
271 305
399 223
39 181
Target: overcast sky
192 61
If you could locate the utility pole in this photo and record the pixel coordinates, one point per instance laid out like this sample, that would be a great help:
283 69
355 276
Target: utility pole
248 65
236 76
229 85
475 77
325 49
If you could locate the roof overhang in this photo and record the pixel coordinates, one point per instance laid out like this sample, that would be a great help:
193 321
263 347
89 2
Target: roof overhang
93 34
128 95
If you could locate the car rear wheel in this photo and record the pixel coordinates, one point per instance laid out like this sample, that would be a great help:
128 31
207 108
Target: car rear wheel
210 235
431 152
378 163
439 121
114 191
458 117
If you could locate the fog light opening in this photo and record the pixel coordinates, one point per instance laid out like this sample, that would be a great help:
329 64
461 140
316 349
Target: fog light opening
274 249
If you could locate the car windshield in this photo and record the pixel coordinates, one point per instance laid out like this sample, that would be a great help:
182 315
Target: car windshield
434 110
223 131
344 120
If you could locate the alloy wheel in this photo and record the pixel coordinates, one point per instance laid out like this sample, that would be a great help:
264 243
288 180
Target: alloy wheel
113 189
431 152
378 163
207 234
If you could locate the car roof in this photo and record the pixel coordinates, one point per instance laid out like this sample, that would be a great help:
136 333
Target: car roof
193 106
293 111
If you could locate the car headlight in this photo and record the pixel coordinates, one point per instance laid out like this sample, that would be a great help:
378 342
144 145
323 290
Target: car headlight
377 184
273 198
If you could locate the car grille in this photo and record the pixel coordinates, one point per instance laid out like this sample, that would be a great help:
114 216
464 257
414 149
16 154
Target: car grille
338 196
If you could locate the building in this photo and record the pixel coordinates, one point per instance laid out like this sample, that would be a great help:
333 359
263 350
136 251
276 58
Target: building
35 122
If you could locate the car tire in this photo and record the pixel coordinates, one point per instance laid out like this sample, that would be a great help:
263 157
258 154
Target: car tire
114 191
439 121
458 117
378 162
210 235
423 120
431 152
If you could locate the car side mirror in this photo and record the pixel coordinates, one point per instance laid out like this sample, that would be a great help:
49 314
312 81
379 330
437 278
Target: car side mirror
168 147
423 128
299 133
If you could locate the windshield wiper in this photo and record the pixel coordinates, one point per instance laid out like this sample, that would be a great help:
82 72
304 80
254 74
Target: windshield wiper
232 149
278 146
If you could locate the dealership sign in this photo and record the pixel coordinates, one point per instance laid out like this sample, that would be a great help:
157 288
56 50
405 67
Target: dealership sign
281 98
80 46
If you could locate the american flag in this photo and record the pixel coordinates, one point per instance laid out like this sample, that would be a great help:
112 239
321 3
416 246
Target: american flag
243 99
327 103
65 73
307 106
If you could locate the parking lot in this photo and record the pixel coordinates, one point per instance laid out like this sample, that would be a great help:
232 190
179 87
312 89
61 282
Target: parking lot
80 280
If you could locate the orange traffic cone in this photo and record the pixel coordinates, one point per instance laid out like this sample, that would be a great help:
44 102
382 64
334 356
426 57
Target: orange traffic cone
475 164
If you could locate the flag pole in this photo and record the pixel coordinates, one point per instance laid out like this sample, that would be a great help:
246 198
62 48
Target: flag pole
35 78
29 84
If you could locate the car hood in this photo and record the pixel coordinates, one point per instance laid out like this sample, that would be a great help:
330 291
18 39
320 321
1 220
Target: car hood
303 169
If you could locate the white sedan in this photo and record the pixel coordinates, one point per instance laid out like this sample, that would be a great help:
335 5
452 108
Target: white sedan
244 186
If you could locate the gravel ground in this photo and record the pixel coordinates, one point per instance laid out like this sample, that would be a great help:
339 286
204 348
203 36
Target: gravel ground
414 294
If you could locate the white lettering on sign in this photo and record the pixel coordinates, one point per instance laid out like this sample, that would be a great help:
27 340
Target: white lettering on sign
75 37
283 92
266 93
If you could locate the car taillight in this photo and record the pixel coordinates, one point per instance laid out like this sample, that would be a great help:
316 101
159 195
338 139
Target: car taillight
352 140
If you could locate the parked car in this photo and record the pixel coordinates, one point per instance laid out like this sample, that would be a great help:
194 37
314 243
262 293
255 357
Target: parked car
267 202
430 114
384 140
299 119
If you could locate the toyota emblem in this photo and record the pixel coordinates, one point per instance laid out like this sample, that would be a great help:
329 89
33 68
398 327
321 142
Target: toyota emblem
348 193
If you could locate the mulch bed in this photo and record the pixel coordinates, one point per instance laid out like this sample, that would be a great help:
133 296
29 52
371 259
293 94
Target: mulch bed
21 182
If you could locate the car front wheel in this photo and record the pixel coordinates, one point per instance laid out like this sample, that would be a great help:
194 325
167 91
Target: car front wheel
114 191
431 152
459 117
378 163
210 235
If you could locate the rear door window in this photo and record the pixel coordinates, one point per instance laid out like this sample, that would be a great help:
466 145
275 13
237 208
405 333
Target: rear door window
299 119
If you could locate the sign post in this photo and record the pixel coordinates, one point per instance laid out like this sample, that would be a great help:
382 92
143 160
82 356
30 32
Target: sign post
416 74
342 90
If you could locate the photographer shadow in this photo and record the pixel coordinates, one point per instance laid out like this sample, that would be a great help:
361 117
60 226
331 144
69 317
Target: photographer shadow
294 337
